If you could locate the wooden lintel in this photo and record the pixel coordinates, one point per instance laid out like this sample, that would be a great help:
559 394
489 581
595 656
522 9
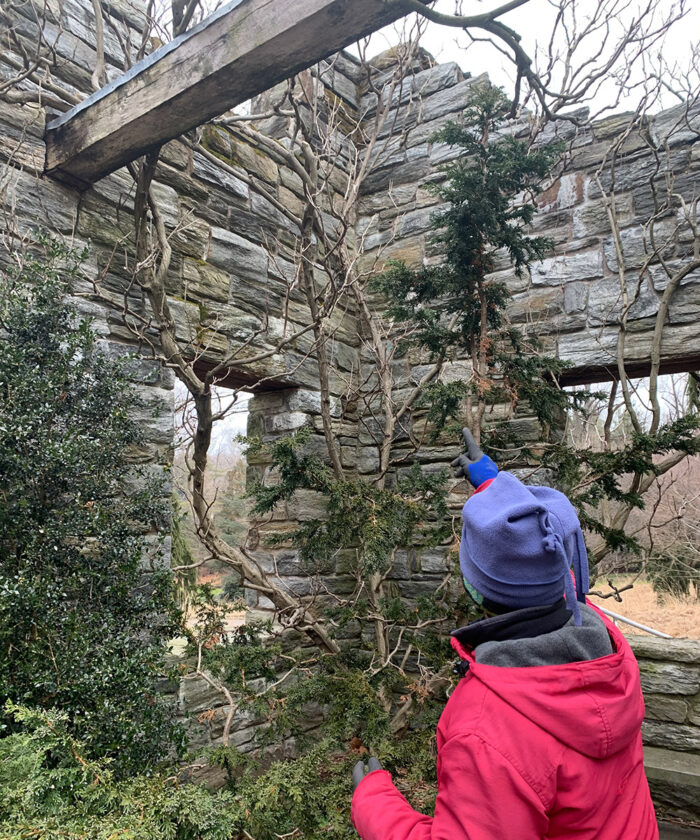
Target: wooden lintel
592 374
240 51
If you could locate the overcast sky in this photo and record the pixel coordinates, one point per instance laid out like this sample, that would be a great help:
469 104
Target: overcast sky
533 22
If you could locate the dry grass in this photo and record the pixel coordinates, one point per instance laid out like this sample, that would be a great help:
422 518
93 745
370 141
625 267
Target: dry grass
680 617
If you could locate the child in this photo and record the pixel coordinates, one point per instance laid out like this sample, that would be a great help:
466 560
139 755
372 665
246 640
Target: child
541 738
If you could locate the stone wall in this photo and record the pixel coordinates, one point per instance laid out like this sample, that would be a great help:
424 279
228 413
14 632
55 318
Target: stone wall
234 253
572 299
670 672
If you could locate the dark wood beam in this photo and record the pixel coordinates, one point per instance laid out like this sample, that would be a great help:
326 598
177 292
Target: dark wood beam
243 49
590 375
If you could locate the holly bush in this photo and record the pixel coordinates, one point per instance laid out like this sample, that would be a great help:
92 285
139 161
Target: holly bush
86 607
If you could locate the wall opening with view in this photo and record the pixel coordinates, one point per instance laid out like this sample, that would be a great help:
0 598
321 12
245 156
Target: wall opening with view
226 487
658 583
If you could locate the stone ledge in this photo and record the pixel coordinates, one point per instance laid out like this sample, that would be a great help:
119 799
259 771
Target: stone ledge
672 650
674 831
672 767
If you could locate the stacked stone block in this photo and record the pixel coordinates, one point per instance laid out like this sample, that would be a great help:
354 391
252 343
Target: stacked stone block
670 673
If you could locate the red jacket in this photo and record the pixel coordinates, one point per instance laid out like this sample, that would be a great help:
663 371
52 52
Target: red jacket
553 751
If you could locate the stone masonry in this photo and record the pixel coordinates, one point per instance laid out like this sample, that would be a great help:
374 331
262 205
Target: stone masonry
670 672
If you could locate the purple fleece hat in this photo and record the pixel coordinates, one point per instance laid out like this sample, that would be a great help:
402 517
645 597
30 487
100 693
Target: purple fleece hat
519 543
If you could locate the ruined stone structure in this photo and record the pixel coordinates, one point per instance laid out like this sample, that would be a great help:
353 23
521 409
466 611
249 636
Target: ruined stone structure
234 255
671 730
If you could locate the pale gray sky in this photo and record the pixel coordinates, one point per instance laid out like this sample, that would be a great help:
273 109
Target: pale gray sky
533 22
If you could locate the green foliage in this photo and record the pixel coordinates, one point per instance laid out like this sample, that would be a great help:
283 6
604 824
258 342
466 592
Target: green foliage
374 520
52 790
589 477
75 593
446 303
454 309
675 574
444 404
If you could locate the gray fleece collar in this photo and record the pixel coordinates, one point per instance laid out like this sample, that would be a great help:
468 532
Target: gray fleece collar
569 643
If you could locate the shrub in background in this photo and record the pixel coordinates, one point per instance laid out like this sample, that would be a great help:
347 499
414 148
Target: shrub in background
84 616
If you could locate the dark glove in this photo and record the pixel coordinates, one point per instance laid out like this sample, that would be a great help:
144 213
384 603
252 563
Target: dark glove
475 465
359 771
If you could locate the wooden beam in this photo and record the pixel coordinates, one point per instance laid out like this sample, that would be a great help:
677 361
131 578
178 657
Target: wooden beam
591 374
238 52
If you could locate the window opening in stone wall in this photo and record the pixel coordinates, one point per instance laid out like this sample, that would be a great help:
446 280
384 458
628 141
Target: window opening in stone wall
657 583
226 486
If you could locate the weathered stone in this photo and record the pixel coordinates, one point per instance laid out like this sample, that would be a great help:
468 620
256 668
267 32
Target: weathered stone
676 126
309 402
663 707
393 198
591 219
367 460
433 561
191 236
21 136
415 222
685 305
237 255
428 108
554 271
659 275
565 192
291 201
539 306
669 678
288 563
286 422
418 586
457 371
420 85
442 152
510 278
409 172
338 82
220 177
307 505
605 300
675 650
694 712
202 281
37 202
575 297
671 735
377 240
674 781
253 161
176 154
636 248
405 564
190 190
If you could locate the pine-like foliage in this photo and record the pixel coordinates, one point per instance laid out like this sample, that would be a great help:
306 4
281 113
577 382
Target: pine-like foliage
455 309
83 620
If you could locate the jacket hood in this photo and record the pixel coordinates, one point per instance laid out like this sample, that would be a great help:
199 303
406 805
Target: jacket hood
593 706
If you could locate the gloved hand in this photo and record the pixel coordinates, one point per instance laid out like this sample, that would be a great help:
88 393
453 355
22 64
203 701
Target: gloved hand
359 771
475 465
